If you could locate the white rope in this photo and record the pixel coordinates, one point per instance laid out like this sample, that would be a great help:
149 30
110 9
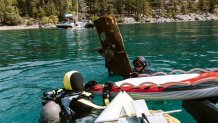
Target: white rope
197 70
177 71
214 69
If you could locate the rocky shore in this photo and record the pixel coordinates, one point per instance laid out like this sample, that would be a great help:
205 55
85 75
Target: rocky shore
20 27
178 18
130 20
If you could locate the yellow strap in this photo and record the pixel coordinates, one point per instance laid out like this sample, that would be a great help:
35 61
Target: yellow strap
91 104
106 102
87 93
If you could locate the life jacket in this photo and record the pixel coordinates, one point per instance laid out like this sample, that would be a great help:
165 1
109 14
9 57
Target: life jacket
78 105
75 108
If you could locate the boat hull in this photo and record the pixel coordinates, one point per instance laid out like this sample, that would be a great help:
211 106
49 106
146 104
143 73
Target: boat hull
65 26
174 95
203 110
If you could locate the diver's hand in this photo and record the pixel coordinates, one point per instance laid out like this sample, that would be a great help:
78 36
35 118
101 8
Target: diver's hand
52 93
134 74
89 85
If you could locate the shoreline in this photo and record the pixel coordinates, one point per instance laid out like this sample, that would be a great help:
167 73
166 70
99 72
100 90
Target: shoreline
19 27
23 27
192 17
165 22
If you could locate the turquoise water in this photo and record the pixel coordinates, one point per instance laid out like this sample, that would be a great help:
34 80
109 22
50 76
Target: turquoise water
34 61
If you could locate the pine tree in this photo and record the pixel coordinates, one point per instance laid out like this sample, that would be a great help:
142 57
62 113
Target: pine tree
9 13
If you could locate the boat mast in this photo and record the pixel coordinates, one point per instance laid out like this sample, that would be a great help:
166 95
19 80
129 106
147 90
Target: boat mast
77 10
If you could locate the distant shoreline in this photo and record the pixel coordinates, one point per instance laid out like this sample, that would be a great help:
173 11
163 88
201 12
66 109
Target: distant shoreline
165 22
19 27
23 27
191 17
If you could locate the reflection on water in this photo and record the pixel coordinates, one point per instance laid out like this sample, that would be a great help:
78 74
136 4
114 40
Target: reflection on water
34 61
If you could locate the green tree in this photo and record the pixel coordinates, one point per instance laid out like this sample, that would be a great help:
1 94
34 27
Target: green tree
174 9
129 6
21 4
119 7
192 7
147 10
183 7
202 5
212 4
41 12
161 7
9 13
50 9
101 7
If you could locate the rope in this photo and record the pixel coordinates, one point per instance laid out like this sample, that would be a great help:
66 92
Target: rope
128 84
159 73
149 84
177 71
215 69
195 70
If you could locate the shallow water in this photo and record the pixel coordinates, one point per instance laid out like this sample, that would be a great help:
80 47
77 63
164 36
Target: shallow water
34 61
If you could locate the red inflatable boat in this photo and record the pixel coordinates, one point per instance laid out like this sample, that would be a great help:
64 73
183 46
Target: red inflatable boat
188 85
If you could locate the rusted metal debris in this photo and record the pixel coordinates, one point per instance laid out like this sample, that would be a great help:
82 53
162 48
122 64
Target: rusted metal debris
113 51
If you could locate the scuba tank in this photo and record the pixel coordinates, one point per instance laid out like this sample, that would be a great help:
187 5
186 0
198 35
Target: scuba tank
50 113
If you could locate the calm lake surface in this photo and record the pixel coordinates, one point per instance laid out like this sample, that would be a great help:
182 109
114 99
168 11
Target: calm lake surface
35 61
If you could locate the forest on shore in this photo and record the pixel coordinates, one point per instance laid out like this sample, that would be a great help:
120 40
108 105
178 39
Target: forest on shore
29 12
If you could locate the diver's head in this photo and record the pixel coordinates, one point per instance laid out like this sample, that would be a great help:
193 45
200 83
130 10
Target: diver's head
139 63
73 81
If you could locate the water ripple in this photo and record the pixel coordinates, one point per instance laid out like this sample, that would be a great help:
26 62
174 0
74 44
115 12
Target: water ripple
34 61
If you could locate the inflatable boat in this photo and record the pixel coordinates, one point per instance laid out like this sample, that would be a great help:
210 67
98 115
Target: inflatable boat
194 84
72 104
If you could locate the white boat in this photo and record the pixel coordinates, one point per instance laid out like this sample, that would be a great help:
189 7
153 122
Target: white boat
65 25
123 109
79 25
71 22
68 24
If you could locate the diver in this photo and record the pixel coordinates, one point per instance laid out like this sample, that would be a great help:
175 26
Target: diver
140 67
71 104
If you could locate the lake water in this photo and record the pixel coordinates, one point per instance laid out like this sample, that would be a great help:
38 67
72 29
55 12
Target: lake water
35 61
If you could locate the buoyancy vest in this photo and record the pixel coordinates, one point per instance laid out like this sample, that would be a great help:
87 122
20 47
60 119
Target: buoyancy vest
78 105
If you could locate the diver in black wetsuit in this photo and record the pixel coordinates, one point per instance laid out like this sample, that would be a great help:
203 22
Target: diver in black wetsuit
70 104
140 67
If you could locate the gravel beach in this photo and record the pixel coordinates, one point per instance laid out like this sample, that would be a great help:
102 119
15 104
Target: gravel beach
18 27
